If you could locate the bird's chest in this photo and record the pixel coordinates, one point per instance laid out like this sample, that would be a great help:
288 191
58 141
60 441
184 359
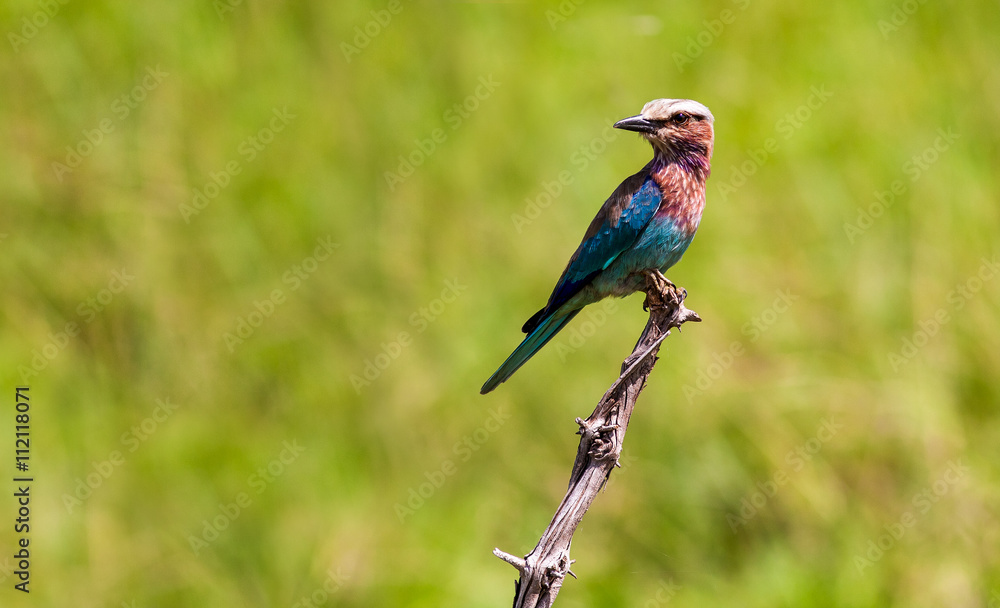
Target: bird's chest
683 198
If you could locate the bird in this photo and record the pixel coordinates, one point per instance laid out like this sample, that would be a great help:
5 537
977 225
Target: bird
643 228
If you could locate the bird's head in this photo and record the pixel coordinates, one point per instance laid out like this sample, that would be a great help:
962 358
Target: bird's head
675 127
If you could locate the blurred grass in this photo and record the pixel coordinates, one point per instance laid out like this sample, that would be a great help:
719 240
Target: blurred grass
692 458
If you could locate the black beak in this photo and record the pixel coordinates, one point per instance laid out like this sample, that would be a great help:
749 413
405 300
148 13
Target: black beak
636 123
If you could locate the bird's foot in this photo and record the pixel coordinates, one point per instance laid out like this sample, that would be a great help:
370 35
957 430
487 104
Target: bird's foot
656 281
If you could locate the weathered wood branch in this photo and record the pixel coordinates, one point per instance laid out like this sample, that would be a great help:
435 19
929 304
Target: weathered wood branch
602 434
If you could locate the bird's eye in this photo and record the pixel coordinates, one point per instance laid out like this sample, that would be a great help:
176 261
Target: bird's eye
680 118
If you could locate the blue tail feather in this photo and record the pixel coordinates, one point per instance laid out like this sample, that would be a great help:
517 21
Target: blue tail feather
538 338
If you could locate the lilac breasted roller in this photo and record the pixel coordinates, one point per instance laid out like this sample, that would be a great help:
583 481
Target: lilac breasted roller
645 225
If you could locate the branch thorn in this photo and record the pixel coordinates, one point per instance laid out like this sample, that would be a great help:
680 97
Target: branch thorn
513 560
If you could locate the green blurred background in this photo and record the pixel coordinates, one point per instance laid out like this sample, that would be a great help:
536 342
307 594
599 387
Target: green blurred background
292 263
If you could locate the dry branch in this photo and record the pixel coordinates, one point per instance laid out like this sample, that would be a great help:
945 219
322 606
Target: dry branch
602 434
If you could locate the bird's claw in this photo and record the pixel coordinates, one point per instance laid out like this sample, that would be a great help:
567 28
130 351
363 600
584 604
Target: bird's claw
663 285
677 294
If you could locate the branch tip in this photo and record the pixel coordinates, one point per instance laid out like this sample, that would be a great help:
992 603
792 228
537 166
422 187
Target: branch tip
513 560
